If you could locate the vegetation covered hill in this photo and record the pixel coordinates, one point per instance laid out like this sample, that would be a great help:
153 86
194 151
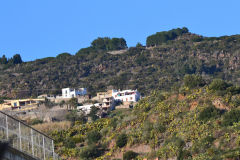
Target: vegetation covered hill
198 122
161 65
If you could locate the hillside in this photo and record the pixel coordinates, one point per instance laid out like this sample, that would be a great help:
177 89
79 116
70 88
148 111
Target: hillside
161 65
196 123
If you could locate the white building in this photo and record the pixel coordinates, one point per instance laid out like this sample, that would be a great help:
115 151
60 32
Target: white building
87 108
126 95
70 92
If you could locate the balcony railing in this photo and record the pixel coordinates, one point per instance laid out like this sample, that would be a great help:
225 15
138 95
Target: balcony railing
25 138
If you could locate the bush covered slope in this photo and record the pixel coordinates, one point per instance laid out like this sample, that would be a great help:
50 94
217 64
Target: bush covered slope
198 123
162 65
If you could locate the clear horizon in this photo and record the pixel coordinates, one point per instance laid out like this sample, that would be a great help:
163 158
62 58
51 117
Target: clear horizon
38 29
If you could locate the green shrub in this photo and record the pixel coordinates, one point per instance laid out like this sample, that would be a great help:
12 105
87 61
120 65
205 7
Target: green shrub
121 140
184 154
163 37
235 102
93 113
93 137
209 112
1 101
231 117
63 56
69 143
73 116
113 123
193 81
160 127
233 90
178 142
219 86
91 152
129 155
36 121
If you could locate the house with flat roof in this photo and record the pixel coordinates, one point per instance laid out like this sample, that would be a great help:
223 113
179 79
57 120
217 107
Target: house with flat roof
19 103
108 103
87 108
126 95
71 93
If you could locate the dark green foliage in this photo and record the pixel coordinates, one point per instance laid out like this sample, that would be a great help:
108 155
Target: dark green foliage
62 103
207 141
221 87
235 101
160 127
16 59
233 90
139 45
120 81
129 155
193 81
91 152
141 59
146 69
93 137
218 85
63 56
121 140
69 143
197 39
36 121
74 116
208 113
184 154
2 99
163 37
109 44
93 113
3 60
232 154
48 103
113 122
231 117
73 102
82 53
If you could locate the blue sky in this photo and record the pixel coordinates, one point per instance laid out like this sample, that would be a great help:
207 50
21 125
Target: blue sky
45 28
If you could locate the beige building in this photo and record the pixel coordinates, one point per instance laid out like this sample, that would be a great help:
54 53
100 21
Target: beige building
18 103
108 103
102 95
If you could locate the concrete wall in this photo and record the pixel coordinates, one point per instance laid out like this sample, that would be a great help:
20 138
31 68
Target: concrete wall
13 154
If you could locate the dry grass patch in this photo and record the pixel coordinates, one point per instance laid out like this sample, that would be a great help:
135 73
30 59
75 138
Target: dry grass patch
52 126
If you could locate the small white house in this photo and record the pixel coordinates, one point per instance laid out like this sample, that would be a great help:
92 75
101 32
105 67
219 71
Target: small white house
70 92
87 108
126 95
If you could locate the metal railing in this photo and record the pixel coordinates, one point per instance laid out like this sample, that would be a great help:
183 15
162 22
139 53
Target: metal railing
25 138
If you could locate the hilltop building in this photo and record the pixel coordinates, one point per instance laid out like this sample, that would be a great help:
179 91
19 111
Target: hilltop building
108 103
126 95
102 95
87 108
70 92
20 103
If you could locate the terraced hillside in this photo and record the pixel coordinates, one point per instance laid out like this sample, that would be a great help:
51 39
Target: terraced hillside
191 123
161 65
